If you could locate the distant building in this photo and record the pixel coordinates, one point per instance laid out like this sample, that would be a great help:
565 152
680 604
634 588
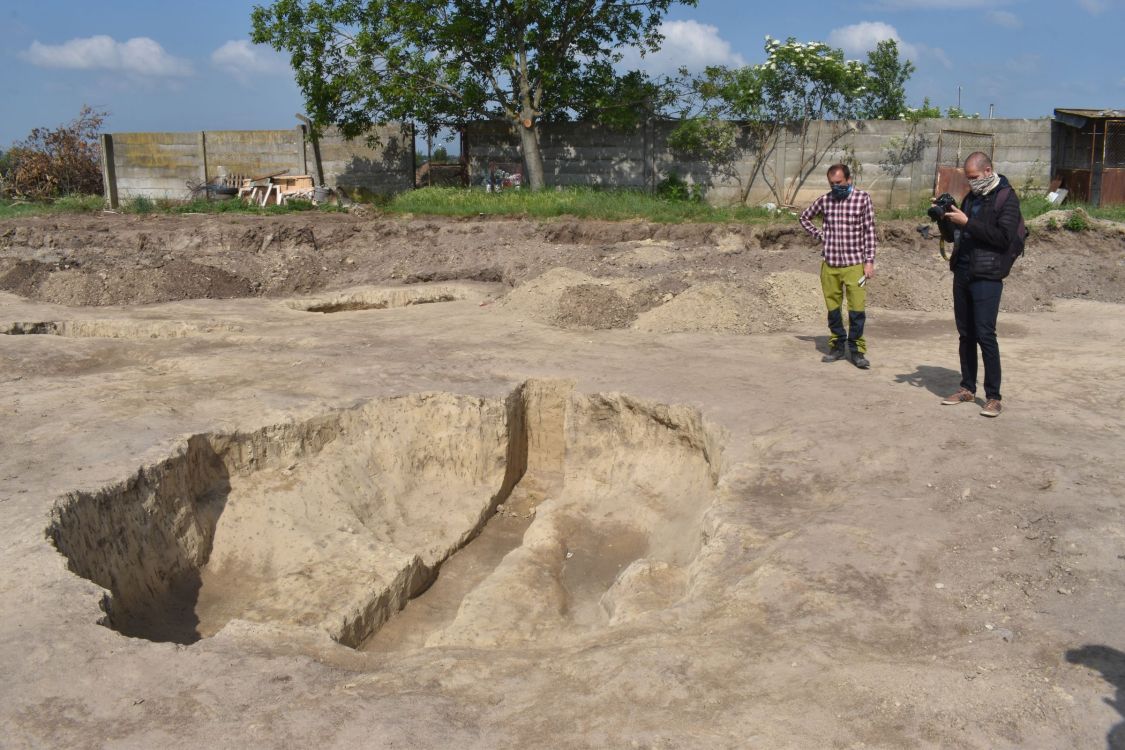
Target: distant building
1088 154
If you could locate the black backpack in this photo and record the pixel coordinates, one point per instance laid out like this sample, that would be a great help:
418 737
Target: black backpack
1020 240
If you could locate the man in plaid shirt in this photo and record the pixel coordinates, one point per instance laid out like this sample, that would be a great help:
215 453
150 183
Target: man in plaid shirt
848 248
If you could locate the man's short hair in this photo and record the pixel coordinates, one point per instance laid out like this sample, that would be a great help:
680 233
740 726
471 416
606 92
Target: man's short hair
978 159
840 168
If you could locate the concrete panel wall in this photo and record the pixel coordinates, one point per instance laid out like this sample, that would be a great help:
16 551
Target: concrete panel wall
574 154
255 153
156 165
160 165
585 154
385 168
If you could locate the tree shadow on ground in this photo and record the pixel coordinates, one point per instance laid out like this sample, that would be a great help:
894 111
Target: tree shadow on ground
1111 663
940 381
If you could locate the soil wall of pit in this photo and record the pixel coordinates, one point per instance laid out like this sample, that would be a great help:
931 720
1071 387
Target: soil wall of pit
336 523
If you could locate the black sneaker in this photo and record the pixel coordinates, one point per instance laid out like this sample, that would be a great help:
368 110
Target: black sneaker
835 353
860 361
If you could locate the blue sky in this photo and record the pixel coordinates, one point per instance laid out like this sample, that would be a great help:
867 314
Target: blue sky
189 66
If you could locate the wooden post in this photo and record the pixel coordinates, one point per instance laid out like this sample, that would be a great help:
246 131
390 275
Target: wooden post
109 172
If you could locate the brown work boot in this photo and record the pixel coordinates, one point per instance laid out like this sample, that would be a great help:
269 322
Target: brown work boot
963 396
991 408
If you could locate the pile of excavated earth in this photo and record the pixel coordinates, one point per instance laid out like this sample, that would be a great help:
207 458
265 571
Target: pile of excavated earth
332 480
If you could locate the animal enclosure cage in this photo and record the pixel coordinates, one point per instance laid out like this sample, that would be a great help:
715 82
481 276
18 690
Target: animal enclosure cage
1089 155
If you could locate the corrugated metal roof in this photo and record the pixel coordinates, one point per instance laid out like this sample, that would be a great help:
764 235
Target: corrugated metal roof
1095 113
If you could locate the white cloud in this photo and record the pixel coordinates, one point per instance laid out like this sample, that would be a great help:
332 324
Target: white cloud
1095 7
245 60
1005 18
686 43
860 38
139 56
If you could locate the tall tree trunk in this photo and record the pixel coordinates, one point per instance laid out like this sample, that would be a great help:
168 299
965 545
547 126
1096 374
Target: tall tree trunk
532 156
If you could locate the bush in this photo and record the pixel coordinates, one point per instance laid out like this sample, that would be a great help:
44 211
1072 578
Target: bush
53 163
1078 221
139 205
674 188
1034 205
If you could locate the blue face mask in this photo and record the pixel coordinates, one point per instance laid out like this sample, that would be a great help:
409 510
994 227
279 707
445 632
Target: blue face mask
840 192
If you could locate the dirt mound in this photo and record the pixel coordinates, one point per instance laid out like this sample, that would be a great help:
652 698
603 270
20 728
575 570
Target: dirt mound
83 285
575 232
779 301
793 297
715 307
596 306
102 260
539 298
1053 221
571 299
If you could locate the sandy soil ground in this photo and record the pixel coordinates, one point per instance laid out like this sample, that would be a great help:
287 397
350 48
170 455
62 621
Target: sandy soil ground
601 467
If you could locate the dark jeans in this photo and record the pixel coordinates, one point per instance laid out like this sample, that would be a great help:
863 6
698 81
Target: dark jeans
976 304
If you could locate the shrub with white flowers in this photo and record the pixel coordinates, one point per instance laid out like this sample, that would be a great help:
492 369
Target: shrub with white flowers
798 84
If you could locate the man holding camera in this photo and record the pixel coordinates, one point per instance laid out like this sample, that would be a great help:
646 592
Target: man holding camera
847 242
989 236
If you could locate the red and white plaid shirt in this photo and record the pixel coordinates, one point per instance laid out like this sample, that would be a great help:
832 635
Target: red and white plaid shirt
848 237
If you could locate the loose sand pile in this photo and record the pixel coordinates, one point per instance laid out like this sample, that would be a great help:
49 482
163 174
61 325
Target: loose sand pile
571 299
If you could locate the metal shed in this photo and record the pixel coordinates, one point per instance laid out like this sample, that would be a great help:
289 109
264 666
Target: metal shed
1088 151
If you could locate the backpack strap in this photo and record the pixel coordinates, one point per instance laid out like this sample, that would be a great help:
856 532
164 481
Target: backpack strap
1021 228
1002 197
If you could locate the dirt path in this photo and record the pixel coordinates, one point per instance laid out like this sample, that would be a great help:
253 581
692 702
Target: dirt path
651 538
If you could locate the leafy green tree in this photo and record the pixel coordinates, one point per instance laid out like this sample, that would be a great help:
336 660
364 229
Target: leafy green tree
732 112
926 112
443 62
886 88
956 113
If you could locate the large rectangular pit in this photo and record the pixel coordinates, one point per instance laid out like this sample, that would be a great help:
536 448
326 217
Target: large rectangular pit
337 522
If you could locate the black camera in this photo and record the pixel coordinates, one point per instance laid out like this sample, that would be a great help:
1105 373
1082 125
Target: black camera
943 204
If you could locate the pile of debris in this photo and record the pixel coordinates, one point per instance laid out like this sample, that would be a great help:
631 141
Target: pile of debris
274 189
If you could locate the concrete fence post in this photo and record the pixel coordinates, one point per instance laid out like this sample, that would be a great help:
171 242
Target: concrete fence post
203 155
302 135
648 157
109 172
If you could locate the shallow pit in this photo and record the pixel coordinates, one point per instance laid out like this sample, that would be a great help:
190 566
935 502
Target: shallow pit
424 520
117 329
384 299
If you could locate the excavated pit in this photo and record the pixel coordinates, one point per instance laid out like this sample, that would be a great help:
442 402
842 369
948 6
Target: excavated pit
117 329
383 299
449 519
